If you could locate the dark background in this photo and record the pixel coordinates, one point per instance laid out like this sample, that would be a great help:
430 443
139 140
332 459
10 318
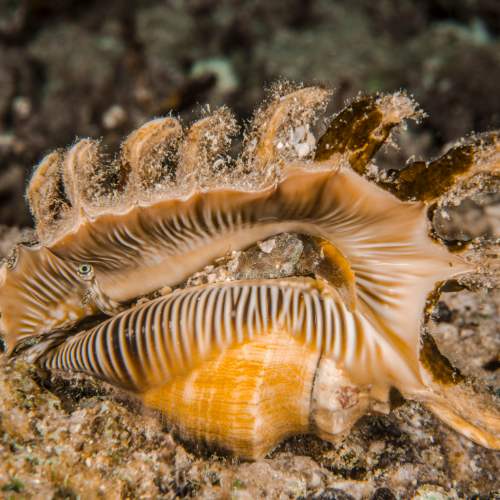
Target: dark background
100 68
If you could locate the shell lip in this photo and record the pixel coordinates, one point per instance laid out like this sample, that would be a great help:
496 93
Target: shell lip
59 241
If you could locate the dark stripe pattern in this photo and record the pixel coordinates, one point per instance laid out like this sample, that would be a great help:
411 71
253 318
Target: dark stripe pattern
151 343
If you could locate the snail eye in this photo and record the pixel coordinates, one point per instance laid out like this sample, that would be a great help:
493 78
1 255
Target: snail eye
85 271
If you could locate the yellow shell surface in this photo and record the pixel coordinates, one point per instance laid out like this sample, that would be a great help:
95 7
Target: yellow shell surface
247 399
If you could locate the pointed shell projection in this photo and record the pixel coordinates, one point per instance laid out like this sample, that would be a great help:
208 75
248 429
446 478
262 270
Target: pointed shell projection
174 201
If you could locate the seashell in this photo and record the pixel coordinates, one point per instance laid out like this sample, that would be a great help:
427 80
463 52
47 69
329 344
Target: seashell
173 202
243 365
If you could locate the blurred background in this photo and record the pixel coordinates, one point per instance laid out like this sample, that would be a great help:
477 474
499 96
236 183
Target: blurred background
70 68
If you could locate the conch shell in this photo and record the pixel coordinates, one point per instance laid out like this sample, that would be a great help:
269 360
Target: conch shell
112 232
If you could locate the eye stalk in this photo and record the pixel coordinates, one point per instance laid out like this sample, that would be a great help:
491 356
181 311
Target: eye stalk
85 271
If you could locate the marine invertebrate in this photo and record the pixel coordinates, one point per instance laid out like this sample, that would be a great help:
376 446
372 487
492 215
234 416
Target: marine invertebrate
173 202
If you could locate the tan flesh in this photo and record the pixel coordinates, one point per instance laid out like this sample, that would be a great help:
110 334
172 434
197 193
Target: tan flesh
146 156
46 185
203 154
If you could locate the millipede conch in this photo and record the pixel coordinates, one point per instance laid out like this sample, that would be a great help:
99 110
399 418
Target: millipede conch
242 364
